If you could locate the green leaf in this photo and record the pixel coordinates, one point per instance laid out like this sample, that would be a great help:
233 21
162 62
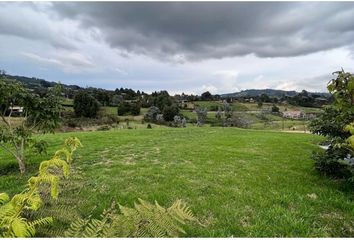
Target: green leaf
19 227
4 198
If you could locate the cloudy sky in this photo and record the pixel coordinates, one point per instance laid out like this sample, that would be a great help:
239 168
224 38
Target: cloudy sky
180 47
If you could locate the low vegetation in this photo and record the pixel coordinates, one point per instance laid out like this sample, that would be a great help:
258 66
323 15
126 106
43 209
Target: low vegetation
212 151
157 164
144 220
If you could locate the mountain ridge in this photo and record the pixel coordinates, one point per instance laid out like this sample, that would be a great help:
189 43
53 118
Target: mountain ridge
270 92
32 83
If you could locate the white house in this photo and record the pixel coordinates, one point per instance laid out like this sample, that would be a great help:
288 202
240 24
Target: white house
16 109
294 114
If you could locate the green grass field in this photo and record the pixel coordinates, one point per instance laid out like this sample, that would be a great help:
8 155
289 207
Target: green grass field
241 183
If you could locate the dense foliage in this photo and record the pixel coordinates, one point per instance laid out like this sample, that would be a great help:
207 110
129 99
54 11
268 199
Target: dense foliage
151 114
85 105
38 114
335 123
126 108
169 112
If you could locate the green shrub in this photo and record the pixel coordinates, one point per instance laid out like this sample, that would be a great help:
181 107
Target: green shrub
86 122
126 108
85 105
71 122
275 109
104 128
169 112
213 108
334 123
151 114
330 165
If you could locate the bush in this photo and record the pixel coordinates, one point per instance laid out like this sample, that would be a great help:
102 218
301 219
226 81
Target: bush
151 115
201 116
213 108
108 119
71 122
123 109
135 109
104 128
169 112
126 108
149 126
85 105
337 160
329 165
86 122
275 109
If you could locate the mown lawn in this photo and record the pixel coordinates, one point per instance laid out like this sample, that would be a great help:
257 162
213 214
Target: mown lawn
237 182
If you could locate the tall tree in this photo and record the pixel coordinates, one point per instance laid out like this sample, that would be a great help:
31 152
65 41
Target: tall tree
38 114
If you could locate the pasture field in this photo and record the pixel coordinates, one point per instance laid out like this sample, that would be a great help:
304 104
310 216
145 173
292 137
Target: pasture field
250 112
241 183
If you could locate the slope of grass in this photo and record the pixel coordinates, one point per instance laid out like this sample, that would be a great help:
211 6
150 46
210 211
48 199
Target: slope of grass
237 182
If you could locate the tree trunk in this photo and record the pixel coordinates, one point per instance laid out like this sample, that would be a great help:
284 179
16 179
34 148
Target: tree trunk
21 157
21 164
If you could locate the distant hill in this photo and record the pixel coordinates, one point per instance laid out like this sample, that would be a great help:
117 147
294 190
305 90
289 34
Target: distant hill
270 92
37 83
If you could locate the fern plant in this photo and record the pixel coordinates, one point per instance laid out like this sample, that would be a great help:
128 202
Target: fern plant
64 209
13 222
144 220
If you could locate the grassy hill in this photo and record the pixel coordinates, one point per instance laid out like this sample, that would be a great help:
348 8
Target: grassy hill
270 92
37 83
240 183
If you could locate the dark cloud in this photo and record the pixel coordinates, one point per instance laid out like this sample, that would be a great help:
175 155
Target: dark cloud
196 30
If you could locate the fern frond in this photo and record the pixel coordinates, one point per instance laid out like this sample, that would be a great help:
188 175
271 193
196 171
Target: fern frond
4 198
7 211
54 162
34 201
72 143
76 228
181 211
12 212
144 220
19 227
41 222
50 179
18 200
64 153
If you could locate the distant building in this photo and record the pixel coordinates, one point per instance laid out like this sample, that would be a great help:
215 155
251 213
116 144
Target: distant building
294 114
16 109
250 100
321 101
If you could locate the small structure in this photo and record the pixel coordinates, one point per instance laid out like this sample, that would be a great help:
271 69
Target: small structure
294 114
250 100
16 109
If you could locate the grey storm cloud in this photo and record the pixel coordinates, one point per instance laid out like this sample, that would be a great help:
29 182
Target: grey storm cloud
195 30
